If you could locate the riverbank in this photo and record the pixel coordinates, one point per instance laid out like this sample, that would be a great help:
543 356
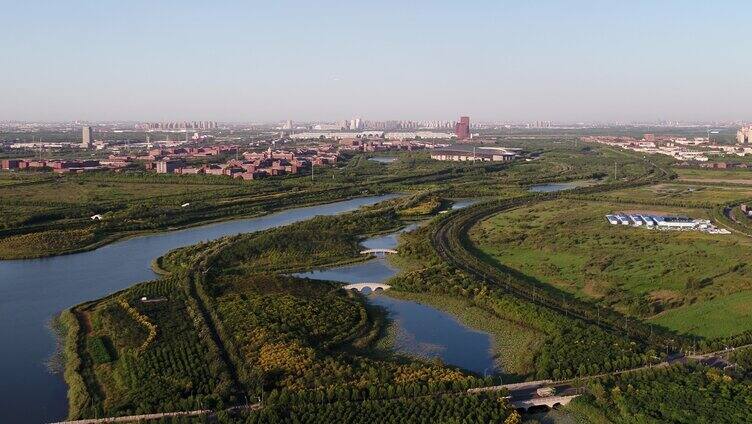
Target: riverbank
118 237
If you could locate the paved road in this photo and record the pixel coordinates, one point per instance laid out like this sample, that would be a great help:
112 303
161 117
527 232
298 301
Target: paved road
528 390
159 415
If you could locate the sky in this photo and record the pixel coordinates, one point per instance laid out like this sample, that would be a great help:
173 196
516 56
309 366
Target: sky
250 61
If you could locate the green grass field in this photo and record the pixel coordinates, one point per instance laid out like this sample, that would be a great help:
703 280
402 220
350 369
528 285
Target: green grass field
719 317
732 176
75 191
681 194
570 245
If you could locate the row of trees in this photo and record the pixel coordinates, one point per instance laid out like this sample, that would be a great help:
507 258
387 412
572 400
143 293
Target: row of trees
678 394
428 409
176 368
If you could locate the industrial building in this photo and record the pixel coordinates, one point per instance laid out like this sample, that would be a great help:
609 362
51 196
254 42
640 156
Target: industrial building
498 155
664 222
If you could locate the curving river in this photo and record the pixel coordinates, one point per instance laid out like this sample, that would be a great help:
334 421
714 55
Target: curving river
32 291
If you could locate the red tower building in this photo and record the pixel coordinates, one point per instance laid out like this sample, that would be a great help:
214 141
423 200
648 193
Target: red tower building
462 128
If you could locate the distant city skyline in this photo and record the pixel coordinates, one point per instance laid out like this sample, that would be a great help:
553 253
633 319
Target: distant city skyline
504 61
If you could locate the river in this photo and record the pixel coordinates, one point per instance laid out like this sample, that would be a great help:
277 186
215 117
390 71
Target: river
33 291
421 330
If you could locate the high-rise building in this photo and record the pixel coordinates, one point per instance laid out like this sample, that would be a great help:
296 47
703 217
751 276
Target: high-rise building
462 128
744 135
86 138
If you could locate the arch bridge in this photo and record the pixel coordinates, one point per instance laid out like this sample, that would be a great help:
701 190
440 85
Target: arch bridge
362 286
374 251
551 402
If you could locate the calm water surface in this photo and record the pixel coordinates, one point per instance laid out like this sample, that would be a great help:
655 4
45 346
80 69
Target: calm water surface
32 291
551 187
421 330
383 159
425 331
463 203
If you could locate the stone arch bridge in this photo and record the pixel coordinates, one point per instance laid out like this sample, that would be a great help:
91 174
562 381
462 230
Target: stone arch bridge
362 286
375 251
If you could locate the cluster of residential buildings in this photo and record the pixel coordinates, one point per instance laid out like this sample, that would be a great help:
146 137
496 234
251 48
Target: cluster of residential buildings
188 152
696 149
664 222
681 148
176 126
373 134
61 166
378 145
254 165
352 130
356 123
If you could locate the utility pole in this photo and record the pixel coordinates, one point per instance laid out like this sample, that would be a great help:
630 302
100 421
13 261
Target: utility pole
597 314
563 305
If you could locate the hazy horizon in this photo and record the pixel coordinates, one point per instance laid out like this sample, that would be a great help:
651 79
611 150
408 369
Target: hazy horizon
582 61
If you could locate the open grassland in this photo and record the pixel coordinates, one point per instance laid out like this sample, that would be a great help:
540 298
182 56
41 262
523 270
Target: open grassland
72 190
720 316
569 244
716 176
695 195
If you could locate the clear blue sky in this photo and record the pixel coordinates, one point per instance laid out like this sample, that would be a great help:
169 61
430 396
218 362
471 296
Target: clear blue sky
494 60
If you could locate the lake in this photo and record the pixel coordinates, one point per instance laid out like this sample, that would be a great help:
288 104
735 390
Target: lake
32 291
